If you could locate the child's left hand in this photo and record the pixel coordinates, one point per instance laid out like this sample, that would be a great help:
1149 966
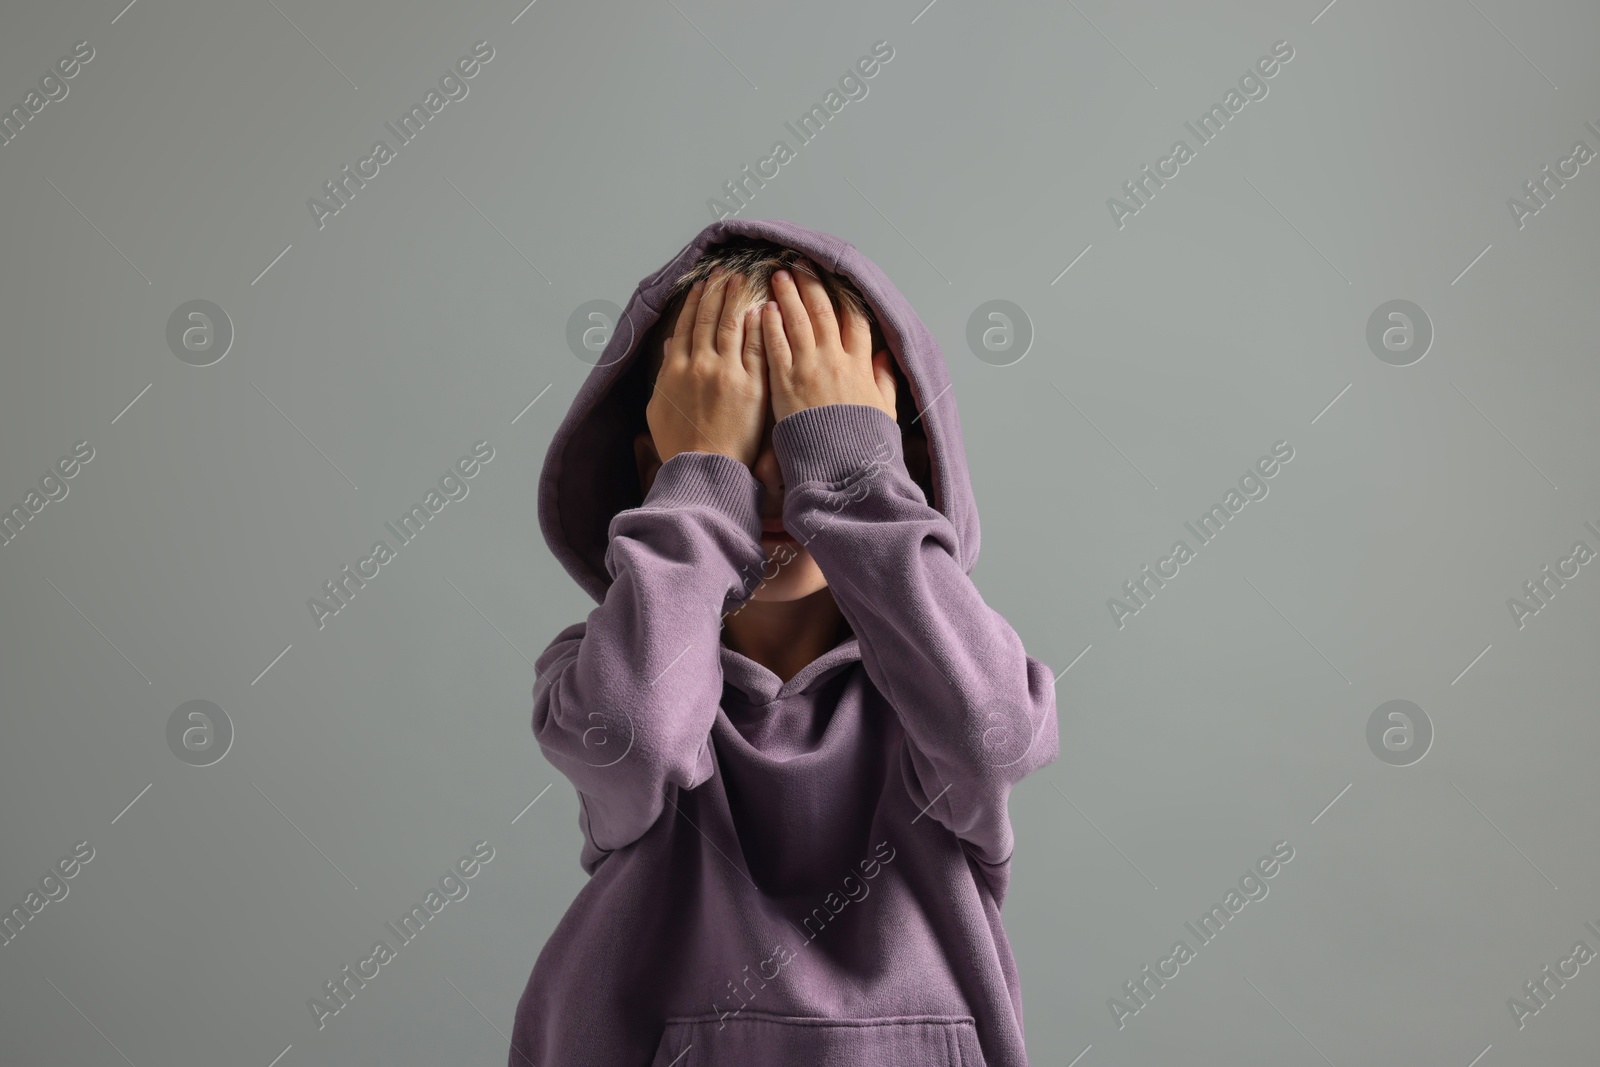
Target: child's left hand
811 361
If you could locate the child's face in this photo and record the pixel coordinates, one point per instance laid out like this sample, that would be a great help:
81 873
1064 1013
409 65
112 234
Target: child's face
791 572
794 573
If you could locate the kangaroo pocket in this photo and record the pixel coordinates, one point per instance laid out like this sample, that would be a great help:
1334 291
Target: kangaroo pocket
794 1041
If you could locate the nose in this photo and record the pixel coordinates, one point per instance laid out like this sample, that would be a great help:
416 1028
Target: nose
769 474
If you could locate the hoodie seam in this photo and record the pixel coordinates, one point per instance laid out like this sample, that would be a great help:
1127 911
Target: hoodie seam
588 825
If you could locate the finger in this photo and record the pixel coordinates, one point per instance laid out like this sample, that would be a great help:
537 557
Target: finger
856 332
796 323
730 327
678 342
824 324
780 357
753 355
708 315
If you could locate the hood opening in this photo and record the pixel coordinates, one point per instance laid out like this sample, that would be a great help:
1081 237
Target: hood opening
590 472
635 383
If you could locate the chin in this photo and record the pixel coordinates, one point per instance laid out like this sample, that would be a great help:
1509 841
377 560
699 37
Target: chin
797 579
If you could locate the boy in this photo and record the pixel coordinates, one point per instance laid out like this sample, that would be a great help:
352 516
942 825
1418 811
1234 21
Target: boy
792 722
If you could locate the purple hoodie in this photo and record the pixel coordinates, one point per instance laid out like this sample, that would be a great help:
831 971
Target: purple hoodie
782 873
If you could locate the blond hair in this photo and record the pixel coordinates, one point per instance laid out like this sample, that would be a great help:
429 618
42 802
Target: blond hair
757 260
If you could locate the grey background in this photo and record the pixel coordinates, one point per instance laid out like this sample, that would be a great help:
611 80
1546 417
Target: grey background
1224 317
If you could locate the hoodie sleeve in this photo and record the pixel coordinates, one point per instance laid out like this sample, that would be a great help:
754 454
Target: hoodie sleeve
624 703
978 712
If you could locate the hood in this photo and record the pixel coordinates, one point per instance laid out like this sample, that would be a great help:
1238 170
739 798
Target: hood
589 472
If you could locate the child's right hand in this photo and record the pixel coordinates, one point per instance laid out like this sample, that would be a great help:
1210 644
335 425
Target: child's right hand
711 392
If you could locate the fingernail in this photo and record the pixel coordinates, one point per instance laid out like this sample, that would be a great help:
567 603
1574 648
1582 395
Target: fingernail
785 275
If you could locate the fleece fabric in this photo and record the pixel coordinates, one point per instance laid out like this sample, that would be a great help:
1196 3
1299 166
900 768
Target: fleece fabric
785 873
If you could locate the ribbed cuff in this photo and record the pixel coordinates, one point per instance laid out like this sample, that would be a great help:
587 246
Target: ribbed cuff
833 443
709 480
